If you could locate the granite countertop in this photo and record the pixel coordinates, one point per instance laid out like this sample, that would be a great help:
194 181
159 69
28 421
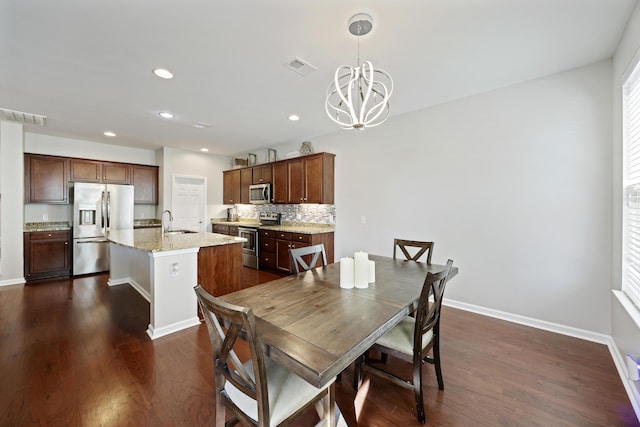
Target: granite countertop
151 240
47 226
286 226
142 223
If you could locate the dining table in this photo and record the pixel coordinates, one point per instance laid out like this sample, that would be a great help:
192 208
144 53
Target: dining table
313 327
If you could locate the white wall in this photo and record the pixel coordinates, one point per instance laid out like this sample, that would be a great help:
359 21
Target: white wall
173 161
12 191
67 147
514 185
624 331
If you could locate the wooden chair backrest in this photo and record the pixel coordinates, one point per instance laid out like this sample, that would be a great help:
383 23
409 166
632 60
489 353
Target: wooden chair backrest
226 324
428 314
299 257
424 247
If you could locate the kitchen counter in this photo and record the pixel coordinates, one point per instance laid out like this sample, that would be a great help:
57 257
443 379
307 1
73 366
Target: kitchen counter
47 226
164 269
286 226
152 240
147 223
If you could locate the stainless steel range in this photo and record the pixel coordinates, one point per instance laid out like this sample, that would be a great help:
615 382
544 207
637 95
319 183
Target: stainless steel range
251 248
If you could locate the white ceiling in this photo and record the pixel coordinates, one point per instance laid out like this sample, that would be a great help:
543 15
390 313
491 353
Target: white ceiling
87 65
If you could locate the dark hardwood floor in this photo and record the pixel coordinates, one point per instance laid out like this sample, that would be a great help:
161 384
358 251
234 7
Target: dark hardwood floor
75 352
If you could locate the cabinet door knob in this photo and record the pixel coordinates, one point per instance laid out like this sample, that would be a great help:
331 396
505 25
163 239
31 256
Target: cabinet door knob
49 235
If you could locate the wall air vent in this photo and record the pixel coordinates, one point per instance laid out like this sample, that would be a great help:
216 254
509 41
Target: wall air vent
300 66
19 116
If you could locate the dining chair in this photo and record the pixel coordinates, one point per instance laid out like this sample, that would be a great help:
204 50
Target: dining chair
411 340
423 247
299 257
259 392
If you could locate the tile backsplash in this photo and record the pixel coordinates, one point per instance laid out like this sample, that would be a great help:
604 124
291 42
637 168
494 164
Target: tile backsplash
318 214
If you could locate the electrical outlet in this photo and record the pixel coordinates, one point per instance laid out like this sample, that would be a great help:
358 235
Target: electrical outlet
175 269
45 217
363 219
298 217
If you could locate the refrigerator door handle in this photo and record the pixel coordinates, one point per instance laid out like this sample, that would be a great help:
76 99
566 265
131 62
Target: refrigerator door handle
108 209
102 214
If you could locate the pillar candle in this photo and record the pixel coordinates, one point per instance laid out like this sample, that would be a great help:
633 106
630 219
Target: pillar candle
346 273
361 260
372 271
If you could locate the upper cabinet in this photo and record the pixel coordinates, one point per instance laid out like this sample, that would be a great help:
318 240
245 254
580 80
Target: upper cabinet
262 174
310 179
96 171
231 187
145 184
246 179
279 186
46 179
306 179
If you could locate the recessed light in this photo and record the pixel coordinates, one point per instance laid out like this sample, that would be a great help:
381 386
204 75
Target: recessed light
109 133
162 73
294 118
204 150
166 115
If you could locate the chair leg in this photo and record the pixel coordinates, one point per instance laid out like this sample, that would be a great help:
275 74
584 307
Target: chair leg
436 363
357 372
417 389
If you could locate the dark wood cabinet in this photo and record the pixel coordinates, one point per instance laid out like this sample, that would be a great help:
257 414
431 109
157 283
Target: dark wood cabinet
115 173
246 179
279 186
84 170
268 249
46 179
262 174
47 254
307 179
310 179
145 184
231 187
283 241
231 230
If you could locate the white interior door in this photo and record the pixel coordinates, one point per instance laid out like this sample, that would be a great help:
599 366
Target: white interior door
188 202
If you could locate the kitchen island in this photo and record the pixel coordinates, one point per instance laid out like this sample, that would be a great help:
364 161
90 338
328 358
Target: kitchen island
164 268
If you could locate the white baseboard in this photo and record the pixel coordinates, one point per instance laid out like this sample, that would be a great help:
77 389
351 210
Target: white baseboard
618 360
174 327
17 281
529 321
135 285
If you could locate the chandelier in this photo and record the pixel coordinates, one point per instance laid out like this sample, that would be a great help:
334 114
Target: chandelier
359 96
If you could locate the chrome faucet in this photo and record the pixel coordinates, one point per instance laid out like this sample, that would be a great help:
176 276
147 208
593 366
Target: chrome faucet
166 228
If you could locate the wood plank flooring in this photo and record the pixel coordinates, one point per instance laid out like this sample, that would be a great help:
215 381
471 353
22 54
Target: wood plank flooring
75 353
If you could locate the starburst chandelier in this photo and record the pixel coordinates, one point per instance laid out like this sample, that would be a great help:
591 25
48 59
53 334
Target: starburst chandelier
358 97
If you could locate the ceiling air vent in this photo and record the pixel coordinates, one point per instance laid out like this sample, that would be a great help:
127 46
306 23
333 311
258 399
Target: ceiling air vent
300 66
19 116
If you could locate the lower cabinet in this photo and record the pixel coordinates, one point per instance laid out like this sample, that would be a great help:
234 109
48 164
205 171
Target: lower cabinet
268 249
231 230
47 254
275 245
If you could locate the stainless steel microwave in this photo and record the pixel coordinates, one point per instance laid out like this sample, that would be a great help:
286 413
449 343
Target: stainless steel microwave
260 194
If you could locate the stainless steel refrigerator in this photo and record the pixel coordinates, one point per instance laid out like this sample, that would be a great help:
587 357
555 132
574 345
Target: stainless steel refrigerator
98 208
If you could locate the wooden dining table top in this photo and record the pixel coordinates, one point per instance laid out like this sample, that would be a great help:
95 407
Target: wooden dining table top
316 329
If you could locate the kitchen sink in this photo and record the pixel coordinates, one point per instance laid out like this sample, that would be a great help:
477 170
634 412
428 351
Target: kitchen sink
174 232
